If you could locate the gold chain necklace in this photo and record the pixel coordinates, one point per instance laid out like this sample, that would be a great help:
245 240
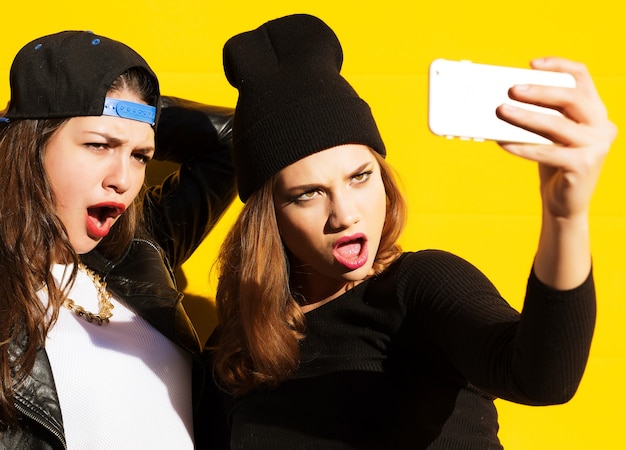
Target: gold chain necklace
104 300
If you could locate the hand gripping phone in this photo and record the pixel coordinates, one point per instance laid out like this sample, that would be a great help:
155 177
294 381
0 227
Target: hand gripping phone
463 97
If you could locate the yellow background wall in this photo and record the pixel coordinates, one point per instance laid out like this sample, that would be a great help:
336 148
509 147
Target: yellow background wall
469 198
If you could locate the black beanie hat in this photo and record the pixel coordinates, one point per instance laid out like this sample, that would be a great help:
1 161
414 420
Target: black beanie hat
68 74
292 100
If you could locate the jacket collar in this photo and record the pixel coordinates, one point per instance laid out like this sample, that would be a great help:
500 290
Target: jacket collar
143 280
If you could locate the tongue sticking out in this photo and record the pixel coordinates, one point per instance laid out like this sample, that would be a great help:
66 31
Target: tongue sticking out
352 254
99 222
349 250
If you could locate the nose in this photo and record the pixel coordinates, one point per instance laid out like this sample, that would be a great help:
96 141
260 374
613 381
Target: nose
343 212
118 175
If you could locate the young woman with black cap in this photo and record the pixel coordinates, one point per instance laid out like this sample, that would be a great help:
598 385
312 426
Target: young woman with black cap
329 335
95 347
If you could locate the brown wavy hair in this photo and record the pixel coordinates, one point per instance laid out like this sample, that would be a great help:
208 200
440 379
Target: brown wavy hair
32 238
260 323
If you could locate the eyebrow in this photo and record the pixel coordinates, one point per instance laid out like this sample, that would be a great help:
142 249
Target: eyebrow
308 187
145 150
362 167
116 142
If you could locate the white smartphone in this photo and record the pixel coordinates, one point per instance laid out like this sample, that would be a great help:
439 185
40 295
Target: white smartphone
463 97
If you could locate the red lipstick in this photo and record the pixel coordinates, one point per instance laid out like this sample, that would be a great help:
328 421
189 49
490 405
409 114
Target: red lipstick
101 217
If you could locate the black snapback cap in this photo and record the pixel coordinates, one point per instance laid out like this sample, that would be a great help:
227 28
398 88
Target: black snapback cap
68 74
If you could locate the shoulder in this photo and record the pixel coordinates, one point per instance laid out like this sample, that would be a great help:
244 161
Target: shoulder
424 263
438 274
421 271
432 261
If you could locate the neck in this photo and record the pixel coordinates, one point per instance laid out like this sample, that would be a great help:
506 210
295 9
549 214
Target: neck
312 291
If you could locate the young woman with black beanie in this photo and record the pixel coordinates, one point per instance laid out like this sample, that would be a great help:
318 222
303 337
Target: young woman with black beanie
330 336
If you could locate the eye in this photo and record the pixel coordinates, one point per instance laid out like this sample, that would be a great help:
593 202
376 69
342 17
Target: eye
306 196
142 157
362 177
97 145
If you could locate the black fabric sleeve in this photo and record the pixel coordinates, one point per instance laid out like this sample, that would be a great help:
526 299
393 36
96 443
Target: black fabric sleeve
537 357
184 208
211 427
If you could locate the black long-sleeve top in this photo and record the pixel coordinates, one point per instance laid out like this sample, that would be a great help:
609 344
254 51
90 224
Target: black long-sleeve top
414 359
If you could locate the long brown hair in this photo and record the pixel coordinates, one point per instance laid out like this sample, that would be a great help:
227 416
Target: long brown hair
32 238
260 323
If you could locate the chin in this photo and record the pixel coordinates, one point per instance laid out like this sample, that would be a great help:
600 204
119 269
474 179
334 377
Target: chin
84 246
359 274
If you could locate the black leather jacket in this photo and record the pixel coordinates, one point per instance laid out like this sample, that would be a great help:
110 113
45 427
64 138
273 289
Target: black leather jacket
181 211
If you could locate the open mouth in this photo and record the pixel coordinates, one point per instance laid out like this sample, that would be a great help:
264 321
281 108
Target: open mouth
351 251
100 219
102 213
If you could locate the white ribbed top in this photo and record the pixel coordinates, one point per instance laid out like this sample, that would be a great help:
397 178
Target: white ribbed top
122 385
